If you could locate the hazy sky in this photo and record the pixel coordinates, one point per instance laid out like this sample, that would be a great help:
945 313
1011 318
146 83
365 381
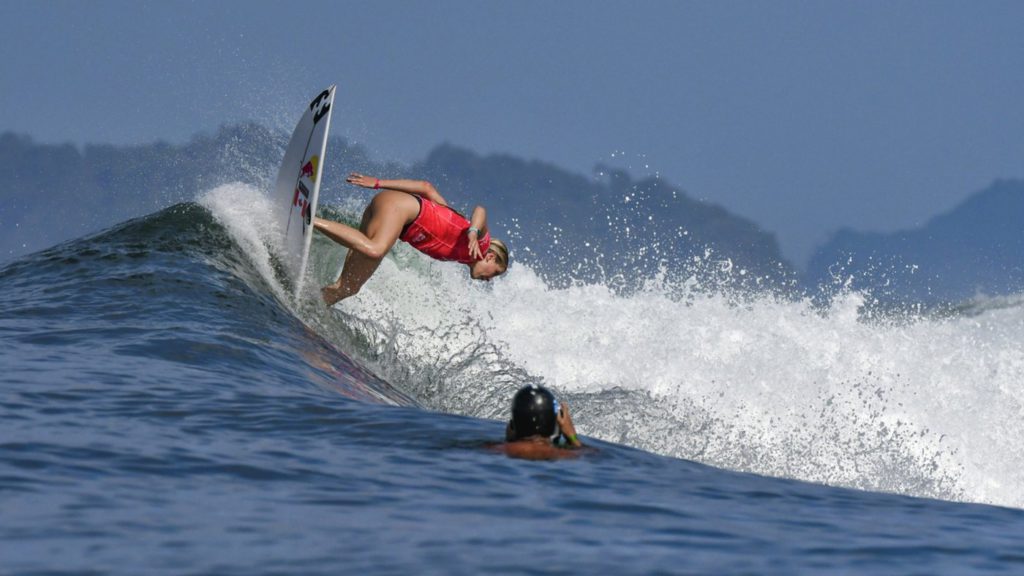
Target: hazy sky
803 116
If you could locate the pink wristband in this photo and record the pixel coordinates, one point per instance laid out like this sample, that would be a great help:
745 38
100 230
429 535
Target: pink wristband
376 185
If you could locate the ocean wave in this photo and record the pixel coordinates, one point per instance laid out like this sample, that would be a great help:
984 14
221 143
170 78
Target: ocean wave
926 405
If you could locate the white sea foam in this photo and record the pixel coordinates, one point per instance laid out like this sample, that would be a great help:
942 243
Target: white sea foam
247 215
921 406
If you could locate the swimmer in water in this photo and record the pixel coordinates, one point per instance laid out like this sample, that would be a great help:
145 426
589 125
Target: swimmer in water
536 425
415 212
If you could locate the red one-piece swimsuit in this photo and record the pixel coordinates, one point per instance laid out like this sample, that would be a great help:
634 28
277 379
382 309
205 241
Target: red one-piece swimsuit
440 232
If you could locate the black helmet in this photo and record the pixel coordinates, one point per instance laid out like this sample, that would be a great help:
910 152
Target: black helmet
533 413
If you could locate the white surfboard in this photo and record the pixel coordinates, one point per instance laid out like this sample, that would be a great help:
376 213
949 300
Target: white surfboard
298 184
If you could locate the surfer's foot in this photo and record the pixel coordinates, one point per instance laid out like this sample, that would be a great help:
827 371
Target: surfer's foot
330 295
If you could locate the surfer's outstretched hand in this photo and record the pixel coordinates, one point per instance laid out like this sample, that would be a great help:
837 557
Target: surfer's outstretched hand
361 180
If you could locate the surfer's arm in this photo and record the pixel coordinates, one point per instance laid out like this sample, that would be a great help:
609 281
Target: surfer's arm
479 220
417 187
477 228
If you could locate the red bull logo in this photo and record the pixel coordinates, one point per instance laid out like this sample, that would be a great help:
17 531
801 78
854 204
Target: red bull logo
309 169
301 201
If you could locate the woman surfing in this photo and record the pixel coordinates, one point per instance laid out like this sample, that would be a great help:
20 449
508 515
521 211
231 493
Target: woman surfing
412 211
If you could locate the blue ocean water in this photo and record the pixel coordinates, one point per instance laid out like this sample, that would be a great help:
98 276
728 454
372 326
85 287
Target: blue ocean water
167 409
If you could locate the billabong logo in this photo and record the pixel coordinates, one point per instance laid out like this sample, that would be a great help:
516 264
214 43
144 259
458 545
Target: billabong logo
320 106
419 238
309 169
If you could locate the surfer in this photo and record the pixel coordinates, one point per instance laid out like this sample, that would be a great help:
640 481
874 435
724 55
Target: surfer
537 422
415 212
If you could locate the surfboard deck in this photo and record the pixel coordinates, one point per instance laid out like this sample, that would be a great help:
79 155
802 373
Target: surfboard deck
298 185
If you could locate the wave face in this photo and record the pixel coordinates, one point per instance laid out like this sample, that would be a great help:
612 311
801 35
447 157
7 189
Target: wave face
139 301
917 404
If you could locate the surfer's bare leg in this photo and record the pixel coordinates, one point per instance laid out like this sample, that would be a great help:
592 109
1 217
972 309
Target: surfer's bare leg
382 223
380 228
350 238
358 269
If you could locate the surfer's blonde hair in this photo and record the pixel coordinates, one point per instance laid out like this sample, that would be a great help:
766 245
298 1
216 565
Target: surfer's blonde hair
500 251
